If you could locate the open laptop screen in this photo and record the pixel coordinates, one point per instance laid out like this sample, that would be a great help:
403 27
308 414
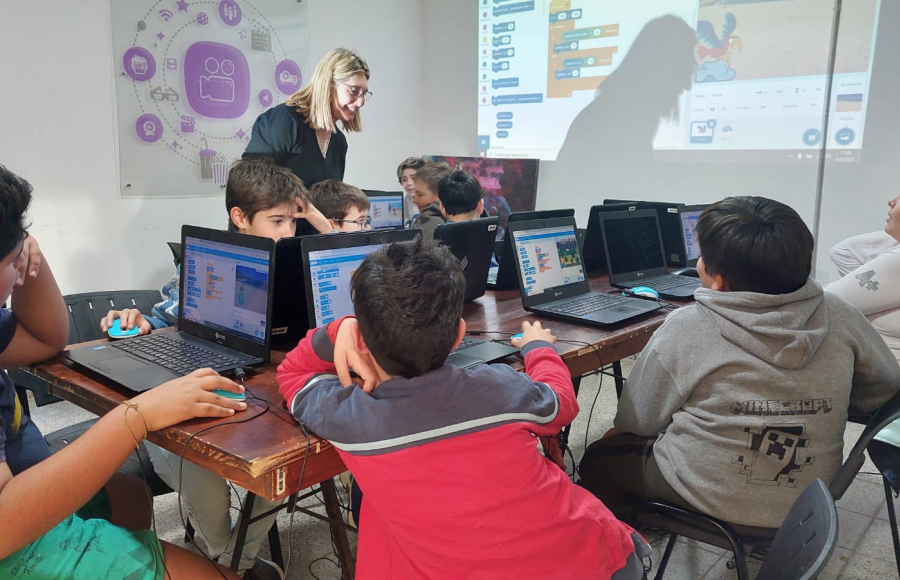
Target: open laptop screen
689 231
386 211
633 244
226 288
330 272
548 259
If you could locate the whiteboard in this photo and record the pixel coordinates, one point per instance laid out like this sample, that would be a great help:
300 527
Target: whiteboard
190 80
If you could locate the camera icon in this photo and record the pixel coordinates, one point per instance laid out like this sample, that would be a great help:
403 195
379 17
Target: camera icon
216 80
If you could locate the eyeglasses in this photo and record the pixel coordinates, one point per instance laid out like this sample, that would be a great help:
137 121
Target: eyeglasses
361 222
357 92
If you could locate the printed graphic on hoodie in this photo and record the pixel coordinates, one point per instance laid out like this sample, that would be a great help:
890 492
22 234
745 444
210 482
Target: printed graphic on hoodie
775 453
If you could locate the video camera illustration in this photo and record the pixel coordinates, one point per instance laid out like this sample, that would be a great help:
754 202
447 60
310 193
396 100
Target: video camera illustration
217 85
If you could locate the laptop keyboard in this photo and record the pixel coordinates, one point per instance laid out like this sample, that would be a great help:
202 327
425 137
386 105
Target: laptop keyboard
468 343
665 281
175 355
584 304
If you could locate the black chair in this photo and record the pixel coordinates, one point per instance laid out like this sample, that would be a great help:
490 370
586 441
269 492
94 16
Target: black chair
886 458
806 539
175 247
744 541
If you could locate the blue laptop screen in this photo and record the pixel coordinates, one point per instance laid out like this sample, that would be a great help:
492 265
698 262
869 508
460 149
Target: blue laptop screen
386 211
226 288
548 259
689 231
330 272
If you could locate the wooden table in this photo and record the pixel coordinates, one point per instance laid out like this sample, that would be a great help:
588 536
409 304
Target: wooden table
265 455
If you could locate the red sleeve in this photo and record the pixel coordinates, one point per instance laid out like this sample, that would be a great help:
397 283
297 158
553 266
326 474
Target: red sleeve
313 355
544 365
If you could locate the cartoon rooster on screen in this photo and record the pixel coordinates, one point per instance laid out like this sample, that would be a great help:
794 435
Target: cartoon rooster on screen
713 47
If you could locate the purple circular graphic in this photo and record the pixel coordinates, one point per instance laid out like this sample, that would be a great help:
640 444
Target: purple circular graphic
139 63
230 12
288 77
265 97
149 128
202 19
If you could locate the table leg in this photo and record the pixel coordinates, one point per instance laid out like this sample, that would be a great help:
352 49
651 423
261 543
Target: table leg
243 524
620 382
338 533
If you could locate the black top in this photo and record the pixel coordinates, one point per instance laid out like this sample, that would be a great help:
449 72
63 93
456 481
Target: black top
281 134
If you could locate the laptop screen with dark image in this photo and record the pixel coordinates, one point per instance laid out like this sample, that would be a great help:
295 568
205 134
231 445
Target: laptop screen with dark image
633 244
548 259
689 231
226 288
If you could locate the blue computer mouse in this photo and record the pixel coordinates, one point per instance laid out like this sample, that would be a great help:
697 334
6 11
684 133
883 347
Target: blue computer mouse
116 331
230 395
645 291
516 336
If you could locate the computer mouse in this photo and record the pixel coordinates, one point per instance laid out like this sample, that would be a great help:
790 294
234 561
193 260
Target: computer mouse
230 395
688 271
516 336
116 332
645 292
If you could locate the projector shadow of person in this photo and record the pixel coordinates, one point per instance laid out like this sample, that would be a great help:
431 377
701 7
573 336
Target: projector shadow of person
608 150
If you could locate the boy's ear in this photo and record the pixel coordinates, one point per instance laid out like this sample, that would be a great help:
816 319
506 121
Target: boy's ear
443 211
460 333
238 218
720 284
332 223
479 209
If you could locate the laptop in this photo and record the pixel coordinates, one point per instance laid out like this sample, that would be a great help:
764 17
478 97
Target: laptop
290 318
330 262
504 277
669 225
688 215
223 318
634 254
552 279
473 243
385 209
592 247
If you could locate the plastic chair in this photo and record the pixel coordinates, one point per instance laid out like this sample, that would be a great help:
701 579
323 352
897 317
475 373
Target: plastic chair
886 458
744 541
806 539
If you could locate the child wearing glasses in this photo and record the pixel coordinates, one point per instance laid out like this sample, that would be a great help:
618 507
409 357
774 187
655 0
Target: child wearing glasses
344 206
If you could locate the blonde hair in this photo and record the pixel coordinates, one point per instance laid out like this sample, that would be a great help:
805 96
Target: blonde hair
314 100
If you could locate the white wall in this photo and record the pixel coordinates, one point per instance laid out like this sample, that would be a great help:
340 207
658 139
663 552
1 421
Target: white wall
854 196
57 130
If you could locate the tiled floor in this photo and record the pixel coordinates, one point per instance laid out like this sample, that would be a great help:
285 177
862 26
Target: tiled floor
864 547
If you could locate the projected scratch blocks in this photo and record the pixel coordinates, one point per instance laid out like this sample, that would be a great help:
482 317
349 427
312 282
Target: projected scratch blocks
577 53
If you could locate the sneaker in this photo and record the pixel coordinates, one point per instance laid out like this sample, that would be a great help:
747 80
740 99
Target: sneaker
264 570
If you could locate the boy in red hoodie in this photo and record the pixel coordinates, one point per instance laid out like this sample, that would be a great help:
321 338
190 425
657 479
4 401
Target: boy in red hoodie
455 486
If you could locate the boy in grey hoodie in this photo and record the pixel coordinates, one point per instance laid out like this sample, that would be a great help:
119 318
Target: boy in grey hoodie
739 401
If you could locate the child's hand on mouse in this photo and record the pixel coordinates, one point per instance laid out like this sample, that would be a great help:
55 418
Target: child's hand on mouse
130 317
312 215
188 397
532 332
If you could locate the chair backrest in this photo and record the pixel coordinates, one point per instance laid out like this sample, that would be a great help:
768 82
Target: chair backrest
87 310
175 247
806 539
855 460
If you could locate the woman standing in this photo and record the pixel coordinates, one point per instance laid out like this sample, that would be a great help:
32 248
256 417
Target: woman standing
301 134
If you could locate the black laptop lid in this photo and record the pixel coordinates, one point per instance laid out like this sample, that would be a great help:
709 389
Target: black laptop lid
688 216
633 243
330 261
385 208
594 254
547 260
473 243
506 275
290 319
227 288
